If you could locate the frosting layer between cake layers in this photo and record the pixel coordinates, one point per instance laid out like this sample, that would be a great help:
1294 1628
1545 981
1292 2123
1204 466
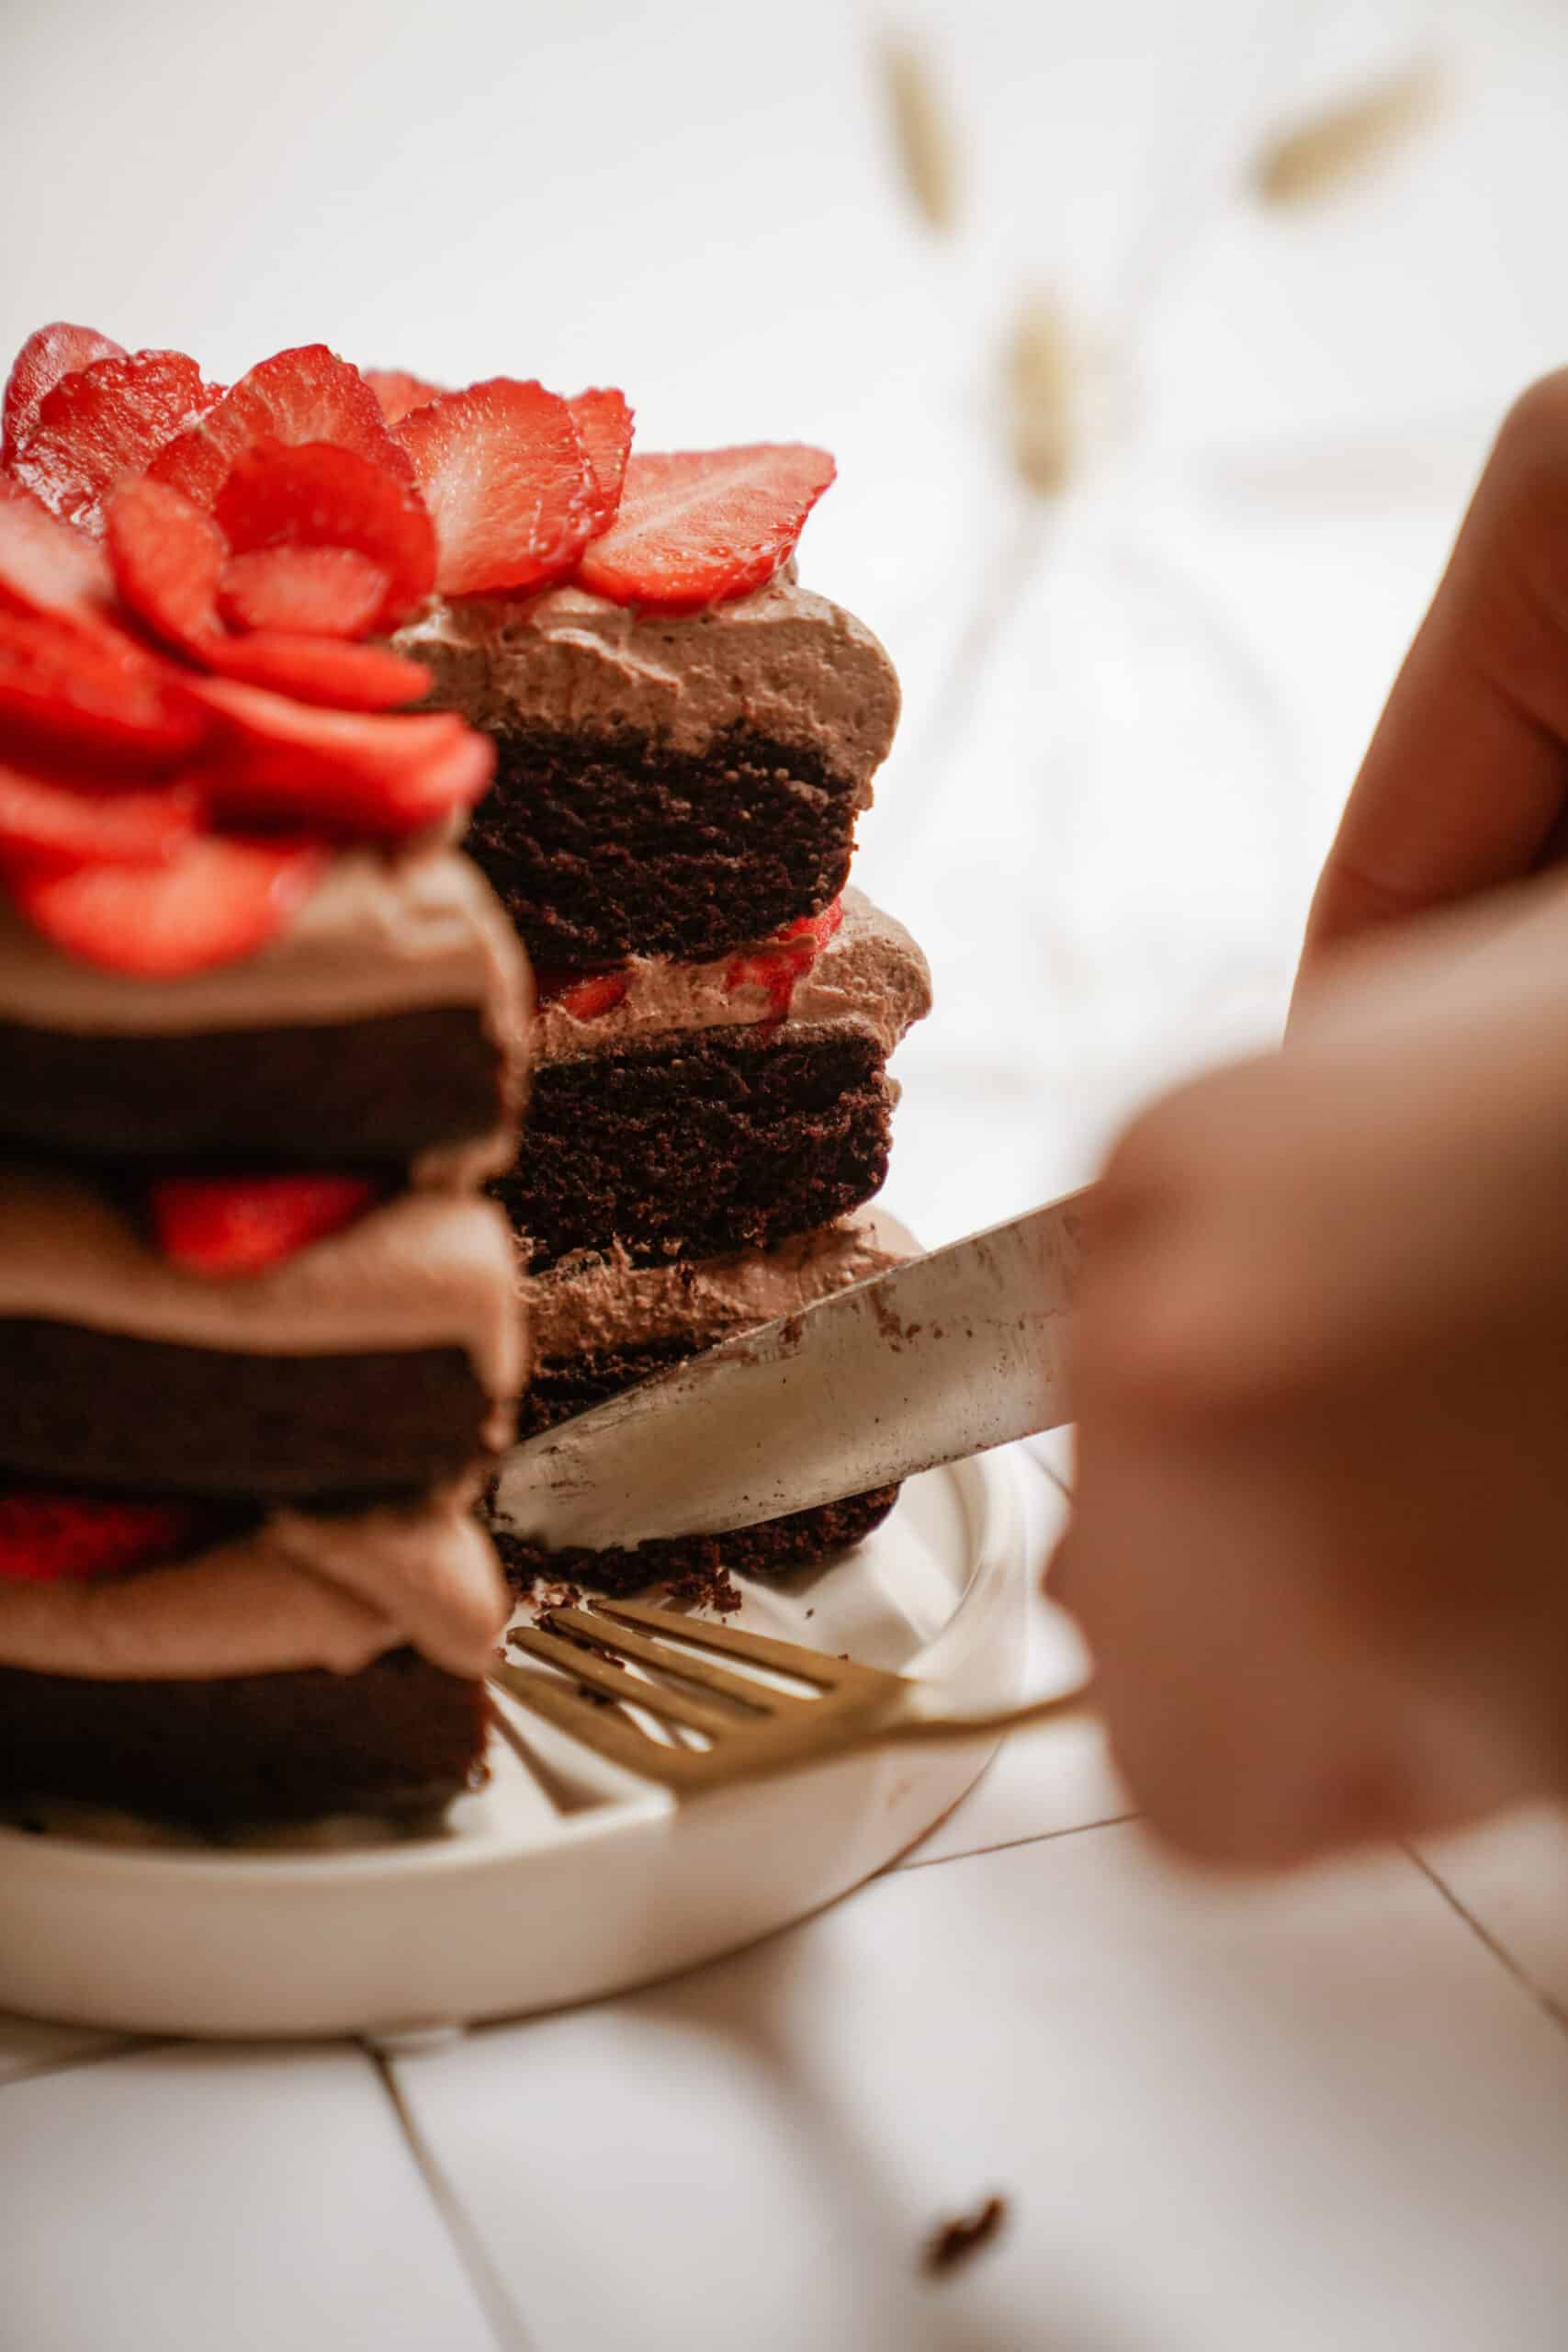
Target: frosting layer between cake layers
298 1591
787 664
421 1271
382 932
600 1302
871 975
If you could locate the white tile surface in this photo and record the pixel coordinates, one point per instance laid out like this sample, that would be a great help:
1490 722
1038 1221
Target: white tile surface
1314 2115
198 2200
1512 1877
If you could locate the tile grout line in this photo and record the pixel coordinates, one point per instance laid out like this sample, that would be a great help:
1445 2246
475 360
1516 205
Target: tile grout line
504 2320
1011 1845
1527 1984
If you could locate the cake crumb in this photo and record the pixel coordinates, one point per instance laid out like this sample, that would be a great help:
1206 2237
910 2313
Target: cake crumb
712 1588
956 2241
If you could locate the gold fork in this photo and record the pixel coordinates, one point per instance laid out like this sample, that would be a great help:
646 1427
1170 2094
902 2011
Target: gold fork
652 1659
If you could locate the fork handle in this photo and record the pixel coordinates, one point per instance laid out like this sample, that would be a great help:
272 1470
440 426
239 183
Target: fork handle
1068 1706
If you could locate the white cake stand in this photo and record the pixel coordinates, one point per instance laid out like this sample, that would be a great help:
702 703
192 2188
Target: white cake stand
564 1879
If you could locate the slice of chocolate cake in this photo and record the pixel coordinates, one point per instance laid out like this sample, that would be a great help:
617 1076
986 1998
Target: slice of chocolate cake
366 1032
263 1036
600 1322
383 1358
667 784
690 1109
296 1666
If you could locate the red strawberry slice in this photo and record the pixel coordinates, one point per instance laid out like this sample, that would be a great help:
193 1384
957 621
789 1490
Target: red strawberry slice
74 821
48 354
704 525
47 1538
311 495
167 557
213 902
306 394
94 694
503 474
310 592
45 567
399 393
103 423
782 961
604 421
321 669
586 999
333 769
240 1225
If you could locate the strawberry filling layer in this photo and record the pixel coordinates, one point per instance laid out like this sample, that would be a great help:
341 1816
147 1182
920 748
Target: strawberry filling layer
48 1538
777 968
224 1225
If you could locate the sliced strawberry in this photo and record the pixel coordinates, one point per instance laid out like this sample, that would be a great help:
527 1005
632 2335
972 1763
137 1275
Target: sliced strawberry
94 694
47 1538
311 495
240 1225
704 525
310 592
320 670
214 902
48 354
782 962
338 770
47 568
503 473
74 821
604 421
399 393
586 999
103 423
306 394
167 557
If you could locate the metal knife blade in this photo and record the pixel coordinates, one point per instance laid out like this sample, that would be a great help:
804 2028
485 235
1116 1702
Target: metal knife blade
942 1357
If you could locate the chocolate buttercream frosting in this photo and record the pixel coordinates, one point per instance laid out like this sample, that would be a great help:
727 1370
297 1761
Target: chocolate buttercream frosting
871 975
421 1271
597 1302
783 663
296 1591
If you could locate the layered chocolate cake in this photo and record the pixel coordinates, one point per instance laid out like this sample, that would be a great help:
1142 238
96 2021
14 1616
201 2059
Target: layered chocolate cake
263 1030
667 784
684 738
601 1322
683 1110
263 1034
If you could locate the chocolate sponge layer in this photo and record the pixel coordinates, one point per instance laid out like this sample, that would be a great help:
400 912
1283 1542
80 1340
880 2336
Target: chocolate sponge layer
82 1408
694 1145
604 847
571 1385
381 1089
398 1737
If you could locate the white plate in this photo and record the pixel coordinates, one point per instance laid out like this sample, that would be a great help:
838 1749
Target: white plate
564 1879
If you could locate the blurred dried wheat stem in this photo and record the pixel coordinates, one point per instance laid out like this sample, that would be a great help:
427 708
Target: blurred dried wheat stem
922 132
1325 150
1041 380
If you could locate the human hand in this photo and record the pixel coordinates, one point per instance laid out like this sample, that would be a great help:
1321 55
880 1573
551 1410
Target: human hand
1465 784
1320 1548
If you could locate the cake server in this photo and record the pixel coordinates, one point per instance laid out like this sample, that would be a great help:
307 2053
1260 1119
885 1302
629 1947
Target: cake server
940 1358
